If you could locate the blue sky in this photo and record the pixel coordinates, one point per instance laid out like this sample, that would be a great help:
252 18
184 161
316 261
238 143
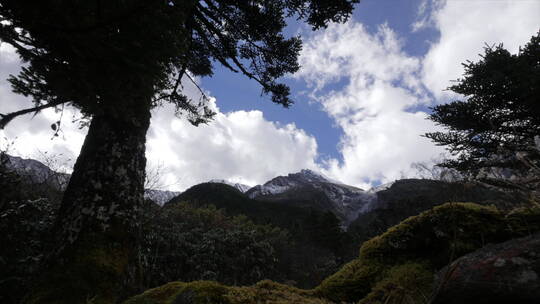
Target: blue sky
234 92
362 98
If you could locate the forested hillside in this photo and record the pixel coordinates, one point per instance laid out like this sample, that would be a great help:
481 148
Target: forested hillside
214 232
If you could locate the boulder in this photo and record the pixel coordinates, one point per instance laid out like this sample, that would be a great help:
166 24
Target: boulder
507 272
398 266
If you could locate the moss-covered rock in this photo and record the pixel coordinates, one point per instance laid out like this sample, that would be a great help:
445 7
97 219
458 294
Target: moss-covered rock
500 273
405 283
432 239
272 293
209 292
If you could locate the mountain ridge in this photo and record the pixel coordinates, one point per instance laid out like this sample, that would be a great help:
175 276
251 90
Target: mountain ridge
242 187
38 172
310 189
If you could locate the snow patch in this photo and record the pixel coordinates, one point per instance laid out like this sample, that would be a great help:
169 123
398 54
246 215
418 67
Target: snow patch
242 187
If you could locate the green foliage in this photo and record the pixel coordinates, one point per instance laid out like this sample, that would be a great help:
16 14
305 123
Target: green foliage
25 239
318 244
206 292
179 242
352 282
93 277
90 54
272 293
189 242
409 283
495 127
182 242
27 214
432 239
235 202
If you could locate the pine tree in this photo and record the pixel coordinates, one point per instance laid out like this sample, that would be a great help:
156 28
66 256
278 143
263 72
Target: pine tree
497 126
115 60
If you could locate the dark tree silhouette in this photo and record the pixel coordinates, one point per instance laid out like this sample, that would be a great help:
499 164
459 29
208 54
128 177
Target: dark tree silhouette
497 126
115 60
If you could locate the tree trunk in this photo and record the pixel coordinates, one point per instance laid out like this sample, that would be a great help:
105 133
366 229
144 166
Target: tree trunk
97 226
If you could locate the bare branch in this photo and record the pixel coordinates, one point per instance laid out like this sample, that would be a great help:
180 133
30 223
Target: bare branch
6 118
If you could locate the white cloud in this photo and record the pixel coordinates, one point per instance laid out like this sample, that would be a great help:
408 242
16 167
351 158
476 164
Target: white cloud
381 132
466 26
383 85
29 135
424 16
239 146
377 107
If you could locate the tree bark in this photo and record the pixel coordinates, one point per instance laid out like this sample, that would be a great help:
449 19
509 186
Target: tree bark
97 226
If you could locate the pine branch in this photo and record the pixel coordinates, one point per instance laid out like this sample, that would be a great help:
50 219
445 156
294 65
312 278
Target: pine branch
7 118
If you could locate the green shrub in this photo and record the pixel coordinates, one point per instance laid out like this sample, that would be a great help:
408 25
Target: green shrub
185 243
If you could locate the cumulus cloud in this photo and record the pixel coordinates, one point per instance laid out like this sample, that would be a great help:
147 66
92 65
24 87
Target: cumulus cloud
239 146
466 27
30 136
373 90
375 108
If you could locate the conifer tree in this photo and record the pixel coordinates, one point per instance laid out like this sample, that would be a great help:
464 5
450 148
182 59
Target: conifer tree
115 60
497 125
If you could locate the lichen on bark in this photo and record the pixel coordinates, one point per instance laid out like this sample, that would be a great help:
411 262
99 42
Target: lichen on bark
97 227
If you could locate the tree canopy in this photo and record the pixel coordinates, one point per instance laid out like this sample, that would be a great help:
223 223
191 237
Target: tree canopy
115 60
497 125
95 54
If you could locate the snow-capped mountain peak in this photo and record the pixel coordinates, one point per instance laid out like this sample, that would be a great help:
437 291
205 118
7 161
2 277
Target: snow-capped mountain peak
310 175
344 200
281 184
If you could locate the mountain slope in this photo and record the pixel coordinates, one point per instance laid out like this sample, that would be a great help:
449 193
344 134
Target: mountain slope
319 244
309 189
235 202
409 197
36 173
160 197
242 187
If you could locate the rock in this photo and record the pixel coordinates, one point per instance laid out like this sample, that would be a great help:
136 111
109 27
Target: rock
394 267
508 272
